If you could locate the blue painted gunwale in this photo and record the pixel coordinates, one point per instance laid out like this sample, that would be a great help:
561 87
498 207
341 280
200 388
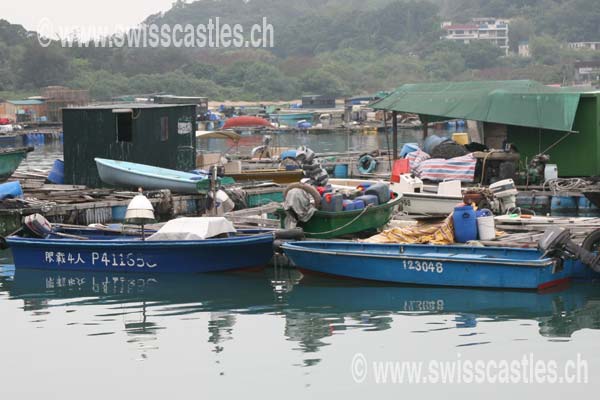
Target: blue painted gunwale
114 253
461 266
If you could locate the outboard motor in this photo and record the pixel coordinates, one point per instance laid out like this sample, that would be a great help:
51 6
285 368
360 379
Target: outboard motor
506 193
557 242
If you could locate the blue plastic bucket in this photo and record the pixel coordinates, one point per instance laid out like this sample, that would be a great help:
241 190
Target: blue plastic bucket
465 224
57 173
10 190
118 213
340 171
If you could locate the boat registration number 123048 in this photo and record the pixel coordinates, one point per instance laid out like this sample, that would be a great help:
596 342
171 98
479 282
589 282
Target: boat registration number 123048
425 266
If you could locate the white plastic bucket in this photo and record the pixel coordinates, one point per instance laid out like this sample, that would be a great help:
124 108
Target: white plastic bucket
486 228
550 172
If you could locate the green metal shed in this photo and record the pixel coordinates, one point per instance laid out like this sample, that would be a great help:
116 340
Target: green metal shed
561 122
153 134
576 153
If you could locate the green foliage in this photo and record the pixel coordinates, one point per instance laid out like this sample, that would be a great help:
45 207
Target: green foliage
521 30
334 47
545 50
44 66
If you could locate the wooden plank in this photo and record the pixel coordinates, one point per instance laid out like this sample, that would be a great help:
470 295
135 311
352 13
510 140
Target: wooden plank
269 223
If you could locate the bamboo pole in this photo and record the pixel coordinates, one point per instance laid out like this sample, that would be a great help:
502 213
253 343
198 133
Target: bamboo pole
395 134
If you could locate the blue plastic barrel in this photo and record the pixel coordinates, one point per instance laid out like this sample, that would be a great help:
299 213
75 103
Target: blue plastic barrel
10 190
332 202
586 208
349 205
288 154
368 199
465 224
563 205
408 148
340 171
57 173
381 190
432 142
358 204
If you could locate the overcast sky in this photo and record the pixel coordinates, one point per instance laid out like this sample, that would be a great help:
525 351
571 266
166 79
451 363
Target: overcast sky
80 12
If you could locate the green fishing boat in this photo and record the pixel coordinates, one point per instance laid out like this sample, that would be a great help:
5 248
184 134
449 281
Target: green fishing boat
328 225
10 159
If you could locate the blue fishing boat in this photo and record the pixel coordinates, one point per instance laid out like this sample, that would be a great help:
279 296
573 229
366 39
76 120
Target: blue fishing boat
462 266
95 250
132 175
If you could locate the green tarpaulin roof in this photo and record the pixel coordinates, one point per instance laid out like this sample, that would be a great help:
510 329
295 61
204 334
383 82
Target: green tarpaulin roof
522 103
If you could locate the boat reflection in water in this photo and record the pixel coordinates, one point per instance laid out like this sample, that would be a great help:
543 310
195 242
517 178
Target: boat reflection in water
314 308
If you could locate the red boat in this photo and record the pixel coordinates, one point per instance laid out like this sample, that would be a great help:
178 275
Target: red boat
246 122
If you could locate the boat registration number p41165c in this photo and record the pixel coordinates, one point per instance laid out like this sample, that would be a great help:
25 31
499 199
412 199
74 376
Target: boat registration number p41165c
120 260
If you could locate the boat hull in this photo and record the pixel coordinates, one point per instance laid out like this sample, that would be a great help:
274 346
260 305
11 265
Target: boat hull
134 255
428 204
131 175
328 225
431 265
413 203
10 161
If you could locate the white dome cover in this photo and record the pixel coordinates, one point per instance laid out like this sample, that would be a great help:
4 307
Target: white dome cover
198 228
139 209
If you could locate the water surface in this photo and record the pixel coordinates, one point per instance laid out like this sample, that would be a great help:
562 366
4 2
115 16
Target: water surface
273 334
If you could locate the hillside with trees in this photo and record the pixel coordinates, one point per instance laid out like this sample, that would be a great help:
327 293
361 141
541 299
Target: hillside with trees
338 47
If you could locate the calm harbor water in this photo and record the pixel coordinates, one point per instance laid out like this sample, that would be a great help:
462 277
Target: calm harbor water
276 334
233 335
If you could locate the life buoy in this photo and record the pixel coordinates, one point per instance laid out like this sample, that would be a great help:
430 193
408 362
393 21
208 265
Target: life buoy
367 164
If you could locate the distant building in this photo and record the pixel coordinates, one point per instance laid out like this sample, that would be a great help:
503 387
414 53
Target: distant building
524 49
318 101
587 71
201 102
585 45
20 111
59 97
492 30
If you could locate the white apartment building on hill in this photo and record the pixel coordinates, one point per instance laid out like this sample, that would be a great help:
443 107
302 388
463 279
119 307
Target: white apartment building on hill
492 30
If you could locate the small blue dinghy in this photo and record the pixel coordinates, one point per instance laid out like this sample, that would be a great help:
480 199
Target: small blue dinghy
132 175
485 267
182 245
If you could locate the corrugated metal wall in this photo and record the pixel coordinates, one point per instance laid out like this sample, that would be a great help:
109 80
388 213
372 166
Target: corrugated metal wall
90 133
